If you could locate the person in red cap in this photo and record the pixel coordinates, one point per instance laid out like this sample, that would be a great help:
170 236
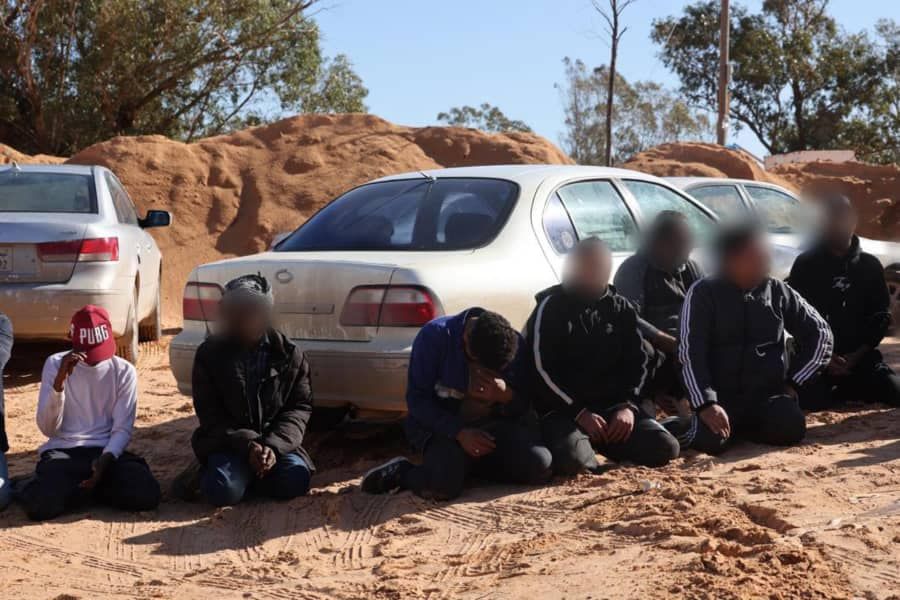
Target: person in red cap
86 408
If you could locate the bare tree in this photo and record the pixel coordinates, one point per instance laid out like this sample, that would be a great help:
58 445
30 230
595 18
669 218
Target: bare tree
611 11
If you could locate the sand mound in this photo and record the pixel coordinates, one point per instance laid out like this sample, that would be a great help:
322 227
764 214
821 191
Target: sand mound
232 194
10 155
873 188
699 160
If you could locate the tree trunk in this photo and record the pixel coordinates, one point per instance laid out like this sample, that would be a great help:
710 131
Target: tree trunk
610 90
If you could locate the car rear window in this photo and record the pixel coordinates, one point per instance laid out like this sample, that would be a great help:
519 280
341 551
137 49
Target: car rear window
46 192
409 214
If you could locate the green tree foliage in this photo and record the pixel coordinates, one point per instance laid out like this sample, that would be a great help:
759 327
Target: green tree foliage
485 117
73 72
874 129
644 114
799 81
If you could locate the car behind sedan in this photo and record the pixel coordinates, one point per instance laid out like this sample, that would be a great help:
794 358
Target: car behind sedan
70 236
356 282
790 222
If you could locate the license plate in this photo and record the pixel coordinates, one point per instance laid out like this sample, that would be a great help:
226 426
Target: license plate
6 260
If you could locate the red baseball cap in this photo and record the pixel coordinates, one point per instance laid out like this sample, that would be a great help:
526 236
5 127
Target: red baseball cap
92 334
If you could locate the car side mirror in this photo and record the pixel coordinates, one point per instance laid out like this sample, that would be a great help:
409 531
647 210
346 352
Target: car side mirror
156 218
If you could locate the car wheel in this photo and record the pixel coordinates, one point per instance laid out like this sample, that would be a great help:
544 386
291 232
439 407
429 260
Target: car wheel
893 283
151 328
127 345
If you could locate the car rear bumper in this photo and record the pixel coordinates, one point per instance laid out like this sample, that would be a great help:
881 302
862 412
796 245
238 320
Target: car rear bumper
370 376
43 311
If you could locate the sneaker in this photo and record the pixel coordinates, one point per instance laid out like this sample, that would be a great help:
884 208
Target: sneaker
387 477
186 485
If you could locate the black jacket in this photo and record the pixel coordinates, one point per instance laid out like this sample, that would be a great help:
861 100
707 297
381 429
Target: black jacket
658 296
732 342
6 344
587 354
228 421
849 291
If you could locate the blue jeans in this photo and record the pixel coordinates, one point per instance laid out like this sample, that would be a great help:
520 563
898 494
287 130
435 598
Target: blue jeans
5 487
227 477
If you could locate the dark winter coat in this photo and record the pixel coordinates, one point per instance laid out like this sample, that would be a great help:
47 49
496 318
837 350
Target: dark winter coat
230 419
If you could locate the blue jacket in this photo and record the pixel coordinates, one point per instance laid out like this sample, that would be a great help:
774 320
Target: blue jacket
439 378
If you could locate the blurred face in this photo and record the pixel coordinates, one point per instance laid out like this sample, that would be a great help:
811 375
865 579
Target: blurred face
840 224
245 323
587 272
674 251
750 266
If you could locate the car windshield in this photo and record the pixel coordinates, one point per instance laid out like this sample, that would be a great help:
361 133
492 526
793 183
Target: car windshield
409 214
28 191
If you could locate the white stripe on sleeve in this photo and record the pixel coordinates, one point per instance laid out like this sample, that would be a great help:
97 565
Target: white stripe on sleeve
539 363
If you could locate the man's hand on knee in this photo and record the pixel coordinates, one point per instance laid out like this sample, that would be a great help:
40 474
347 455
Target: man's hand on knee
716 419
620 426
475 442
262 459
99 468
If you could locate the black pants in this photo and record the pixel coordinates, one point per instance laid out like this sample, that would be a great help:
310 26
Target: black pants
777 421
666 377
871 381
649 445
518 458
127 484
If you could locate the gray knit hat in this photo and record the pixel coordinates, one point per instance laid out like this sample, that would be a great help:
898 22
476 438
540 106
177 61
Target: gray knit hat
248 290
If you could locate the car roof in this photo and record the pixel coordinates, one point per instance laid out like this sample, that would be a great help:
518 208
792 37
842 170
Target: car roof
686 182
522 174
68 169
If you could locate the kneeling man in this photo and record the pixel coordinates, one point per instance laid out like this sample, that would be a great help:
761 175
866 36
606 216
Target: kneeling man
253 398
591 363
86 408
467 410
732 350
847 286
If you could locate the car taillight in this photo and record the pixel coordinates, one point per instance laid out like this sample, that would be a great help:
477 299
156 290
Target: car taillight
389 306
89 250
99 250
201 301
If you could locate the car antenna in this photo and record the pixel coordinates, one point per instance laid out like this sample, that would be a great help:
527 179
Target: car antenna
16 167
430 178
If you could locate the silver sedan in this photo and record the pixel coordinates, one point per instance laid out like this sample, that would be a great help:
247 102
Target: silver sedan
70 236
356 282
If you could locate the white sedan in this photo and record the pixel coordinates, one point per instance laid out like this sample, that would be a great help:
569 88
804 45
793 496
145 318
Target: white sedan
70 236
356 282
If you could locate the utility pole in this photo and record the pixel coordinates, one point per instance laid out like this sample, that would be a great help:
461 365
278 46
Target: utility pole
724 32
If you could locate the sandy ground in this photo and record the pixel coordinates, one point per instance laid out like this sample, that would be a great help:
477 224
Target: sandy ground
818 521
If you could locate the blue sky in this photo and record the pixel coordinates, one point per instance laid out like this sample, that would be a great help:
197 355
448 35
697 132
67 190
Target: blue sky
421 57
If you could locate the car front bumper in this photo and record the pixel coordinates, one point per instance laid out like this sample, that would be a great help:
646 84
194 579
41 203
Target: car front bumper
368 376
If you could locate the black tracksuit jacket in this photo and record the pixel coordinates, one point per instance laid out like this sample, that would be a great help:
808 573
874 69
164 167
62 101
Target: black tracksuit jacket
850 293
732 346
587 354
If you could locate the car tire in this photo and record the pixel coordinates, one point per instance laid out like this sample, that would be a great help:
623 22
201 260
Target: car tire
127 345
150 329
